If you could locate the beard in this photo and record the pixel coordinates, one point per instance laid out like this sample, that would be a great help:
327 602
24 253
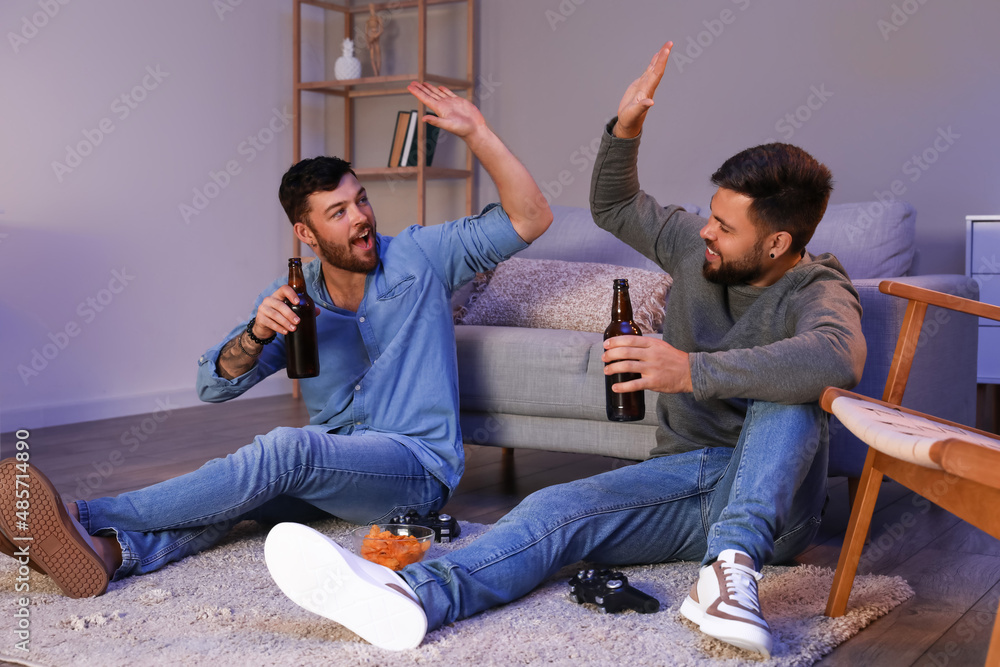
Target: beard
738 271
345 257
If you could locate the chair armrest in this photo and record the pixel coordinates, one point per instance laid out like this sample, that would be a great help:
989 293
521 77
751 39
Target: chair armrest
943 377
935 298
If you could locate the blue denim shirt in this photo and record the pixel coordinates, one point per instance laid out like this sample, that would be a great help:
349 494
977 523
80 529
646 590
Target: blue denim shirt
391 367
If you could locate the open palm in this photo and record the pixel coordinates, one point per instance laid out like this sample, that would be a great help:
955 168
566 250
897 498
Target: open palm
638 96
454 114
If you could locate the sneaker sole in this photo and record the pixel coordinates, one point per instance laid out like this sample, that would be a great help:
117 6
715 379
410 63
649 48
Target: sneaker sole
7 548
55 545
737 633
692 611
320 576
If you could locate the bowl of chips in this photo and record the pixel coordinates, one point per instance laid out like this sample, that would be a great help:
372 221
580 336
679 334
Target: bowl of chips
394 545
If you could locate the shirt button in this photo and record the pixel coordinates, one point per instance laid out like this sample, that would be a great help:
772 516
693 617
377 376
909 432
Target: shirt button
357 423
357 387
361 319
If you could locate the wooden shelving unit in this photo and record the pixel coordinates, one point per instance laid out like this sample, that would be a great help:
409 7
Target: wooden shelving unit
353 89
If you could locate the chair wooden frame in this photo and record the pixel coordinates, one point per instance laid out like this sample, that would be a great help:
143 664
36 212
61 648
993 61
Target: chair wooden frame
968 485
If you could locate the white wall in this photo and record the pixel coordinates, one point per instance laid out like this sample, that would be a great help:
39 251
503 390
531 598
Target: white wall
545 84
559 67
110 294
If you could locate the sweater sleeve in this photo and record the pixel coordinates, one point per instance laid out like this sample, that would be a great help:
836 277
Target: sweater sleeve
619 206
825 347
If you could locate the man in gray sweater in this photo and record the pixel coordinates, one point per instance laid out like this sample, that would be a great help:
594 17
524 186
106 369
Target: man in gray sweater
755 328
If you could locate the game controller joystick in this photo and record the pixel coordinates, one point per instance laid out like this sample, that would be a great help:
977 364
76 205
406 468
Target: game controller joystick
610 591
445 527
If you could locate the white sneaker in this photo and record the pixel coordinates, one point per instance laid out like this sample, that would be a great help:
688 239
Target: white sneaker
319 575
723 603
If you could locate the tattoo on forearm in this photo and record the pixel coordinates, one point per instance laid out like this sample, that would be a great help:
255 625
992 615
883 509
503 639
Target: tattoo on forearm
235 358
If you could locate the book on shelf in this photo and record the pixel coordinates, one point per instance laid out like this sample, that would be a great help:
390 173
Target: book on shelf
430 142
403 124
411 135
404 141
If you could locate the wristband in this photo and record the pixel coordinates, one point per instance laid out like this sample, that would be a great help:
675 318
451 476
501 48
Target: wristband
259 341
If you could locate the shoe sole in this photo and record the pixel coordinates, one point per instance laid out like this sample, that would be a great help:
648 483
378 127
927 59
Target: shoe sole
8 549
320 576
737 633
55 545
692 611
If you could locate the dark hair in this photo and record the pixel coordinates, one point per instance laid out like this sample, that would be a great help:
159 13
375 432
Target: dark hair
318 174
789 188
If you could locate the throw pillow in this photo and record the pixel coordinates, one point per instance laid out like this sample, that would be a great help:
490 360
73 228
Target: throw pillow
555 294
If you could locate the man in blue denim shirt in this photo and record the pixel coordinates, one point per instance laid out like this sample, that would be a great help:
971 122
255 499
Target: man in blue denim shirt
383 436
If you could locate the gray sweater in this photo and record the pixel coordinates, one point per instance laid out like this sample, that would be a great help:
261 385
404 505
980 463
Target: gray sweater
784 343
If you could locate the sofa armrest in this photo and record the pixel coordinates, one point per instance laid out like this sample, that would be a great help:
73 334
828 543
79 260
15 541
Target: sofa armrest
943 377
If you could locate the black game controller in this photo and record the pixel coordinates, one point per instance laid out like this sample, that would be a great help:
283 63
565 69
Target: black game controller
445 527
610 592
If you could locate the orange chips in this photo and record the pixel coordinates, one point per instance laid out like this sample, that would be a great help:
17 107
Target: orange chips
393 551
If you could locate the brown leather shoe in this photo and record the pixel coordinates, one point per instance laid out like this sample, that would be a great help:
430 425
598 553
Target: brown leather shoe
7 547
56 545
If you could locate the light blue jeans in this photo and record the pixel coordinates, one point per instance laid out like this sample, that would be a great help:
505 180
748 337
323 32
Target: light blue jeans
290 474
765 497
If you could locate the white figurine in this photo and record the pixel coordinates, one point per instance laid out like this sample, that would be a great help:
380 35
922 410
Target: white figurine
347 66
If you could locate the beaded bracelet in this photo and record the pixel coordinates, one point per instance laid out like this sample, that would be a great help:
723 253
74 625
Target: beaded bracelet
265 341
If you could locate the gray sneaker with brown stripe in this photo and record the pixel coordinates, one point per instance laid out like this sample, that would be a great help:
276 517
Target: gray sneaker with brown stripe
724 604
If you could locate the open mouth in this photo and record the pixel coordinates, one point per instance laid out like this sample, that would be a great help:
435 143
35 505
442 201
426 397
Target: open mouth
365 241
710 253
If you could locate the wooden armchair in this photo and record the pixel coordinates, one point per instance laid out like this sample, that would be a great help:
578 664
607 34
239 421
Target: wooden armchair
953 466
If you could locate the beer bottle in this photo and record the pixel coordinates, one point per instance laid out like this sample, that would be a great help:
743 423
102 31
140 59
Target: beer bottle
631 406
301 351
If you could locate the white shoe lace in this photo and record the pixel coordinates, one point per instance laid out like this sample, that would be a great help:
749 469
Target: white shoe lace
741 584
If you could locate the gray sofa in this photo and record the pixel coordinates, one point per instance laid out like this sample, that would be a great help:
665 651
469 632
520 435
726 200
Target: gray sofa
530 388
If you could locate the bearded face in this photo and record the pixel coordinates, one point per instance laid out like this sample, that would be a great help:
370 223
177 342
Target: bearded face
359 255
342 225
738 270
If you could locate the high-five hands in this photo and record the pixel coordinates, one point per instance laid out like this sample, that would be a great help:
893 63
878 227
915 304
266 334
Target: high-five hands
638 96
454 114
662 366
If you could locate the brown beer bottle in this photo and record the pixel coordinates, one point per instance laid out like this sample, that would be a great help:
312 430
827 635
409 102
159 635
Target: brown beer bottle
628 407
301 351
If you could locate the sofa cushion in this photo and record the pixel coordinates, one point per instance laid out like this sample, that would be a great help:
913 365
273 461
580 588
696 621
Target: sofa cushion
871 239
536 372
553 294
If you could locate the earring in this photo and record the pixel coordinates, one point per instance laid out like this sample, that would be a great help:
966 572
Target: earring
772 255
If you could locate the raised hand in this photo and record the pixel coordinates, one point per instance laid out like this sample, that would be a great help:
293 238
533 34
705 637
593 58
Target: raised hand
454 114
638 96
520 196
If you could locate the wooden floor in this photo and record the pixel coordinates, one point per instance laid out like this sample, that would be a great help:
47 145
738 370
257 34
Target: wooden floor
953 567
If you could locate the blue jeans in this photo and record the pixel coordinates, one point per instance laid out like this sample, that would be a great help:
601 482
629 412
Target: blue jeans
290 474
763 497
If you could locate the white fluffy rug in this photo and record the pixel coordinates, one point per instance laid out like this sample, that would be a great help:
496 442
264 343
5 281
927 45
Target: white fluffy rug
221 608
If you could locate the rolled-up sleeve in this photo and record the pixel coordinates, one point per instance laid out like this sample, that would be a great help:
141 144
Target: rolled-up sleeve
213 388
459 249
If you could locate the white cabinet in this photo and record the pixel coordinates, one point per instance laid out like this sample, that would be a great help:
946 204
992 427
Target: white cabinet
982 263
